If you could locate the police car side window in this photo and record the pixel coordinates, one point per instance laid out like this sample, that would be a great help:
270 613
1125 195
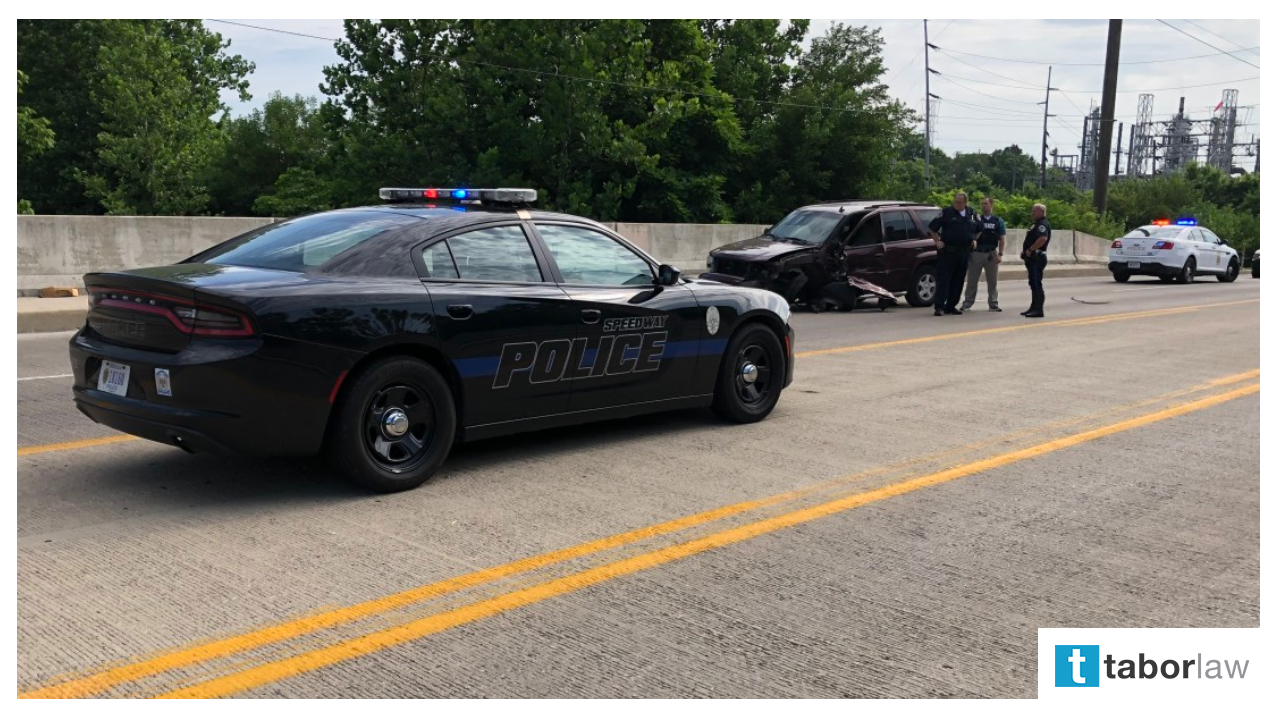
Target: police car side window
439 262
585 256
497 254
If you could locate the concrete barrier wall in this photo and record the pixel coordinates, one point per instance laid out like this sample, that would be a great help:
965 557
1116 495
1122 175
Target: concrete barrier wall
59 249
684 246
1092 249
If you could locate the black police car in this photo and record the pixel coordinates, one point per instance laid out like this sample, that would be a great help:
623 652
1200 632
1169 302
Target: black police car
381 335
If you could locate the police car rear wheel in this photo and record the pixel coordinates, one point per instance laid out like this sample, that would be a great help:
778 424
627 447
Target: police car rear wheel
1120 276
393 425
924 283
1233 271
1188 272
751 376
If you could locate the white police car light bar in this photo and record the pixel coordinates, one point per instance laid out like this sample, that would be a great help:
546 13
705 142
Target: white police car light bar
499 196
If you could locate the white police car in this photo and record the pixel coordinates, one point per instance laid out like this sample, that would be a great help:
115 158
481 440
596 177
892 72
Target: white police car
1178 251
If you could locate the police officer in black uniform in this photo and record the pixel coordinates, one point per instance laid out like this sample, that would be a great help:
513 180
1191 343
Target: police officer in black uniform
1033 255
953 231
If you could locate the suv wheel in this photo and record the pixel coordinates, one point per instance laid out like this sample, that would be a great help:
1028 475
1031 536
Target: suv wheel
924 285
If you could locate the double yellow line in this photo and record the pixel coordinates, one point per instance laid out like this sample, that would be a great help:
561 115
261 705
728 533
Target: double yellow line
246 679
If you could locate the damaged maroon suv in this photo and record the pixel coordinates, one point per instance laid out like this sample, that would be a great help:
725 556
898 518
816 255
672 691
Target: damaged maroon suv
884 242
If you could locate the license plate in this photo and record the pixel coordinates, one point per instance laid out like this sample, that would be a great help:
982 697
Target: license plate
114 378
1135 265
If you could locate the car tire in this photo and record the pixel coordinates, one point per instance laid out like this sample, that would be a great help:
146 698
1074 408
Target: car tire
1120 277
1254 270
1188 272
393 425
746 397
923 287
1233 272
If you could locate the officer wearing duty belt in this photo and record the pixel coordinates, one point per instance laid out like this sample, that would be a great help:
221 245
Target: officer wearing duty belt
1033 255
953 231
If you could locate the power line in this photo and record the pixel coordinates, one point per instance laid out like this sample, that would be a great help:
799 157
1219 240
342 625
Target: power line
563 76
975 90
1046 62
1196 25
987 108
975 67
988 82
1202 42
1077 90
1073 102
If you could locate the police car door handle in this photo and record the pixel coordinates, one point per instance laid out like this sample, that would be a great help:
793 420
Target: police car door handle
460 312
591 317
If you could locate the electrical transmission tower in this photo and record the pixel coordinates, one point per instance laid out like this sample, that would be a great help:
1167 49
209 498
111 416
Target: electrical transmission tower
1222 132
1181 144
1142 142
1089 150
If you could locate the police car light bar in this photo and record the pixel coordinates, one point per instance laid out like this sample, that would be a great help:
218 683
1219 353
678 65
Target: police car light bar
1161 222
497 196
1190 222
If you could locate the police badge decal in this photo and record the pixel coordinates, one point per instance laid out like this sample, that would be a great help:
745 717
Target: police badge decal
713 320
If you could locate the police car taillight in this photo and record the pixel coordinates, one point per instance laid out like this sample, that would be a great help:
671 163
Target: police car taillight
181 313
1163 245
1117 245
495 196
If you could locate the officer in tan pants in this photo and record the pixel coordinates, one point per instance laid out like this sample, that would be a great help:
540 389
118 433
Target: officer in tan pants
988 250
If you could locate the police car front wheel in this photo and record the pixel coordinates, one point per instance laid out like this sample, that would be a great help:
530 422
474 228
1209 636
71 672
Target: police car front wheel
751 376
393 425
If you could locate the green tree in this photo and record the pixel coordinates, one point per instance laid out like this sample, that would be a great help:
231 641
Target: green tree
837 134
34 138
59 59
285 134
158 90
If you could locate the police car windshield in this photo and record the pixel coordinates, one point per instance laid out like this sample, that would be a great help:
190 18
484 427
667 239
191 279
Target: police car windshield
807 227
304 243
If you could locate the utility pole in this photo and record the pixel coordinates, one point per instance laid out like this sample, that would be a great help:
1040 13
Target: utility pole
927 102
1119 137
1044 139
1101 177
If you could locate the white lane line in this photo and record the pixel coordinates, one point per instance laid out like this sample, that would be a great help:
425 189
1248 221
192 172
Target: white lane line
45 377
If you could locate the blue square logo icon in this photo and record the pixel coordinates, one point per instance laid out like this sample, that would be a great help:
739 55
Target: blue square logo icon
1076 665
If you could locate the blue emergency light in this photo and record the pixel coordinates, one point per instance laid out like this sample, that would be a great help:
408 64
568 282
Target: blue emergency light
1187 221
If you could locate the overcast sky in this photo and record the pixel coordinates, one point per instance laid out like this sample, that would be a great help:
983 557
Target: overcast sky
972 115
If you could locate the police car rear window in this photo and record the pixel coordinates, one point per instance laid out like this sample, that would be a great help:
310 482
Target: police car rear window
305 243
1166 233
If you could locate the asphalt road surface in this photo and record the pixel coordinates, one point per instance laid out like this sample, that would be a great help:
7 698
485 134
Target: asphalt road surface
928 493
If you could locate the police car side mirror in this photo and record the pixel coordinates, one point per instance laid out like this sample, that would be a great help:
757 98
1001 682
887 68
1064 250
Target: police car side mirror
668 275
